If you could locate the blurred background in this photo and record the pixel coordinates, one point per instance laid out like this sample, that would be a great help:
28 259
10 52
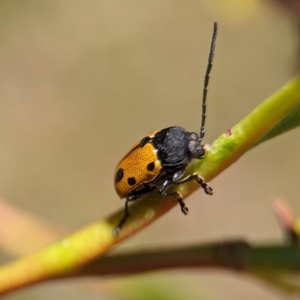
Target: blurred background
82 81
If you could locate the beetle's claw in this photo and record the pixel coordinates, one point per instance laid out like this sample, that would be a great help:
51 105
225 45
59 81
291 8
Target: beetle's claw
116 231
208 190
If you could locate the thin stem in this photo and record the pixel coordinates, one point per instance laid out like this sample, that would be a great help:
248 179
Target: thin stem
232 255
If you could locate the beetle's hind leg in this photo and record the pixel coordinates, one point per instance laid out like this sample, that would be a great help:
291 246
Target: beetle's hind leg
117 230
133 197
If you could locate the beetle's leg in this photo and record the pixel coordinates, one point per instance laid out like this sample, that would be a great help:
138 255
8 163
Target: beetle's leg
133 197
162 191
207 189
117 230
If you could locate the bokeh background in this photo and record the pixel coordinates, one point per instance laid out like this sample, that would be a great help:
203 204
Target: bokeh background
82 81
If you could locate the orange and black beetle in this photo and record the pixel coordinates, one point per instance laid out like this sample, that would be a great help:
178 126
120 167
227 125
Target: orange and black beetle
160 159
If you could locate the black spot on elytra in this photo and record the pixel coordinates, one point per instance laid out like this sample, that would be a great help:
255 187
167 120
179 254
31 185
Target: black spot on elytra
131 181
151 166
144 141
119 175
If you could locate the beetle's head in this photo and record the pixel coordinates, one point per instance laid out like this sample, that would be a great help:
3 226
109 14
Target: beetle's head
195 146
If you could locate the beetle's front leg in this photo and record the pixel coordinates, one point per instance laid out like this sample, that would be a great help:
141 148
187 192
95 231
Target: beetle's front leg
207 189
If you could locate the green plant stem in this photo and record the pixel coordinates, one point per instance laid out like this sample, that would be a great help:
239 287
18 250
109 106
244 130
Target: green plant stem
226 149
73 252
233 255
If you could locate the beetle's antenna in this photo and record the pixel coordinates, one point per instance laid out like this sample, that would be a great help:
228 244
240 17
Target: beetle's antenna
206 78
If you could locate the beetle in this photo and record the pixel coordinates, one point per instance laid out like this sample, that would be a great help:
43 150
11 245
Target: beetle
159 160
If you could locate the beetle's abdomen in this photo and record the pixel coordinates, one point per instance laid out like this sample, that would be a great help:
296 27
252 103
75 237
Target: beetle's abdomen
141 165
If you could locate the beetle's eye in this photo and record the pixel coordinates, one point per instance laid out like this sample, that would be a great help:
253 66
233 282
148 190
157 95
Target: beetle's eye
192 146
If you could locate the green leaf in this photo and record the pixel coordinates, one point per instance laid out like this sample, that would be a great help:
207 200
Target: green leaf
291 121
